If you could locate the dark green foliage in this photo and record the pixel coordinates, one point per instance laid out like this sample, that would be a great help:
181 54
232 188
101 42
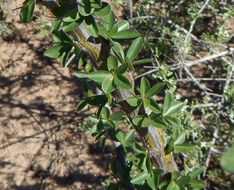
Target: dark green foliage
136 170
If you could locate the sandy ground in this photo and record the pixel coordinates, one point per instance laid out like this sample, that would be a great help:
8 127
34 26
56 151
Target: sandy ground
41 145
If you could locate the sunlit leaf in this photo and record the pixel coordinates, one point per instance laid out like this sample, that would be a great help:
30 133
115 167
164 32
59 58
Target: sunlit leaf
135 48
126 34
197 184
53 52
85 8
116 116
140 178
173 186
185 148
227 160
104 10
98 76
155 89
180 139
92 26
118 50
144 86
107 85
112 63
133 101
108 21
171 106
122 69
122 82
71 26
196 172
27 10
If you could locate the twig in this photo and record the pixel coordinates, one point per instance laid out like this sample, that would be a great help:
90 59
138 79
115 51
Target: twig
130 7
183 30
204 89
228 79
69 61
204 79
186 40
214 94
208 58
146 73
143 17
205 105
215 136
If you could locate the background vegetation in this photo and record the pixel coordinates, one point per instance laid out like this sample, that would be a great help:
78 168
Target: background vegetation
187 40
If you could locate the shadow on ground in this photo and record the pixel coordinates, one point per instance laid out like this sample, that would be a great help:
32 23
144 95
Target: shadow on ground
41 145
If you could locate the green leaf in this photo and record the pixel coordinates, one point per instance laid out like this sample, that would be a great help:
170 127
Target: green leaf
105 113
56 24
171 106
104 10
122 25
144 86
116 116
107 85
97 100
185 148
129 138
140 178
164 184
138 120
71 26
227 160
88 67
133 101
147 122
122 69
27 10
85 8
173 122
71 16
175 175
118 50
112 63
81 105
173 186
180 139
54 51
153 179
196 172
197 184
183 180
96 4
92 26
66 54
126 34
146 102
154 106
59 11
61 36
120 135
154 89
135 48
122 82
157 122
142 61
102 31
98 76
108 21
